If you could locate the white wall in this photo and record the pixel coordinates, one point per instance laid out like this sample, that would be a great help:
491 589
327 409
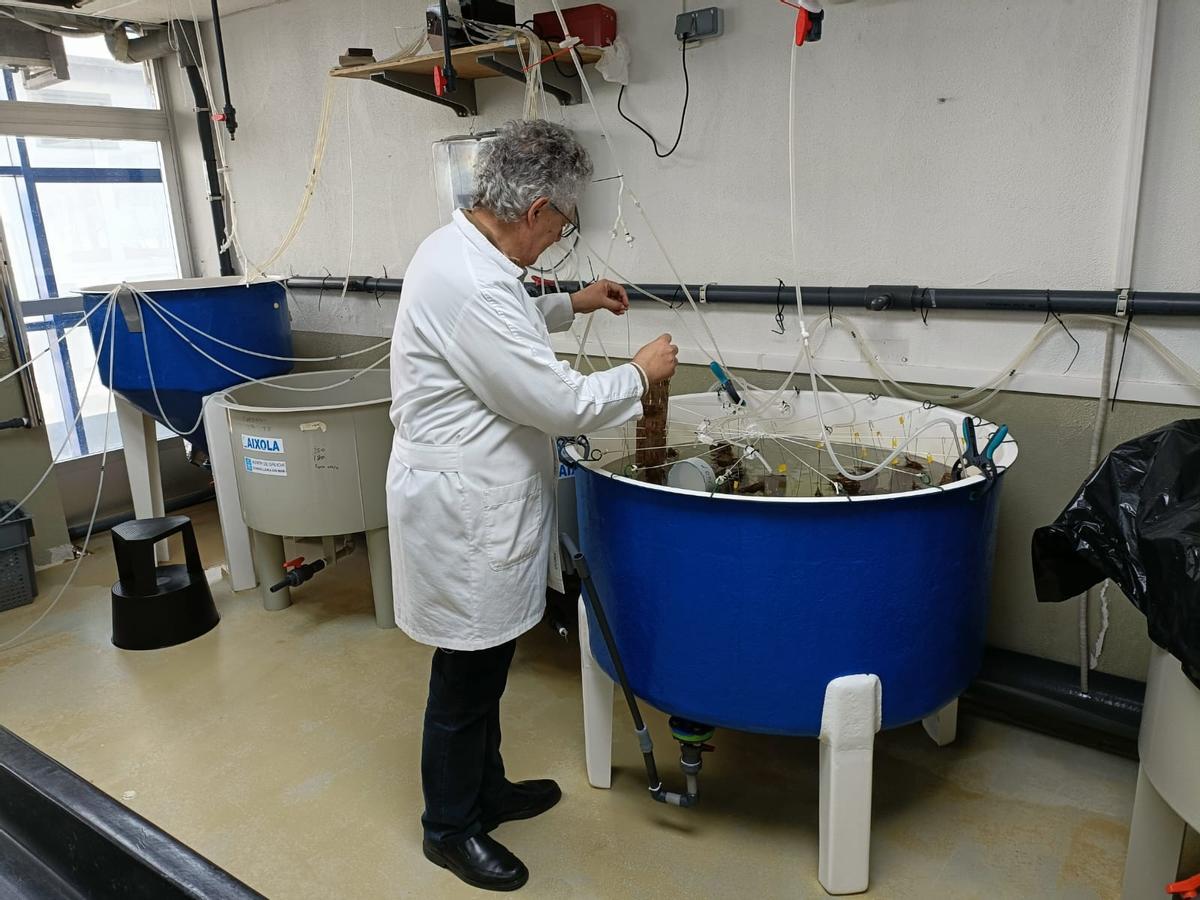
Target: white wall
1015 180
943 142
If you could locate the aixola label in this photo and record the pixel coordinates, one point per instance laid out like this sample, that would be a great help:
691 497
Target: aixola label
262 444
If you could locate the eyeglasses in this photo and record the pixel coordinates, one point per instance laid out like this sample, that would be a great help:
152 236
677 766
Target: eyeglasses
572 224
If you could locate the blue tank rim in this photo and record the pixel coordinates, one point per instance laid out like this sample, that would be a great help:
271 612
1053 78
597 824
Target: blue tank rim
1006 455
181 284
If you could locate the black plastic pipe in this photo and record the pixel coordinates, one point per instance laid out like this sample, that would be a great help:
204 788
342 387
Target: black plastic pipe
448 72
876 298
229 113
592 598
208 148
1044 696
359 284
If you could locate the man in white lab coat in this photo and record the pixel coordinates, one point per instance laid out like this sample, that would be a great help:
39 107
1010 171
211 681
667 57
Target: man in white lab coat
477 395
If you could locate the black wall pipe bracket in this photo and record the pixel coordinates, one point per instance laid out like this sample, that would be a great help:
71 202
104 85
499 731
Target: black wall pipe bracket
462 101
566 90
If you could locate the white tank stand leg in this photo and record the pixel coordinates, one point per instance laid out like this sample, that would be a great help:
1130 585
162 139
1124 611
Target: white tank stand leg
379 556
1155 842
597 710
849 720
140 442
942 726
238 558
268 568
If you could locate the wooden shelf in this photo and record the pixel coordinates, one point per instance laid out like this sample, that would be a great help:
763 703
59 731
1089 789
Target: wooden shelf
414 74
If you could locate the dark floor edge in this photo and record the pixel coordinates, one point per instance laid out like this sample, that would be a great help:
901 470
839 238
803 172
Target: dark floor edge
174 504
1044 696
92 843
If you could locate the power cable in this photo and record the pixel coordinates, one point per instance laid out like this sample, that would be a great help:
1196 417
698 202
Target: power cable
687 90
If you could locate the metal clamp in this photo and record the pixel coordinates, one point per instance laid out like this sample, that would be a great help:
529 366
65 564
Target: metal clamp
704 291
130 309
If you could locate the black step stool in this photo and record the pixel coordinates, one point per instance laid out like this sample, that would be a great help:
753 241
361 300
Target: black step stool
158 606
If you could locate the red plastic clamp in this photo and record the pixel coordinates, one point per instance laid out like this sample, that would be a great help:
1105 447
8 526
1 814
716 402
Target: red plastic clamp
808 24
1188 889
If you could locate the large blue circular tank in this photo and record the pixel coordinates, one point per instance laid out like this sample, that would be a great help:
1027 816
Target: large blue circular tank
737 611
251 316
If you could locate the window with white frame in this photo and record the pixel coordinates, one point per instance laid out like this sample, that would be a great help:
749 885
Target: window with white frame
86 194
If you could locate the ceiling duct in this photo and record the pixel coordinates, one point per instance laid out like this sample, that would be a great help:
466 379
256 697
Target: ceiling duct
34 51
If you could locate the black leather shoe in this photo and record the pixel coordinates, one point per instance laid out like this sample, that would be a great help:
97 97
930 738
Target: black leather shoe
522 800
480 861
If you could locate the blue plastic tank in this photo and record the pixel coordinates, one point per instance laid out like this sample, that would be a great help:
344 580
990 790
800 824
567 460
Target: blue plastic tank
737 611
251 316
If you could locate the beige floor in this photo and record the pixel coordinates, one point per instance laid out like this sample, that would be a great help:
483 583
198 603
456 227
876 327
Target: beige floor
284 746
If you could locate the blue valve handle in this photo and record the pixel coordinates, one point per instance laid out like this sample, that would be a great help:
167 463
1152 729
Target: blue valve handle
726 383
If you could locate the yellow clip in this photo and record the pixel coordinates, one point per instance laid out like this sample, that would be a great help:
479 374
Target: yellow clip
902 420
893 443
929 458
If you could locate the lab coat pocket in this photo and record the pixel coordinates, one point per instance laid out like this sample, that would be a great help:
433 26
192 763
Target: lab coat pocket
512 522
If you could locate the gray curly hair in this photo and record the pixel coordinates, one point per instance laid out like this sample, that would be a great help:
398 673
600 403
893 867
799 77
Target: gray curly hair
530 158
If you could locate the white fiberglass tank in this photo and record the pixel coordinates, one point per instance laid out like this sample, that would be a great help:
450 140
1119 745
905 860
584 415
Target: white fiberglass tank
312 463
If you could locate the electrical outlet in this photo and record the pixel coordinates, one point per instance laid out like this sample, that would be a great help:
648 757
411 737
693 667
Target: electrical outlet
699 23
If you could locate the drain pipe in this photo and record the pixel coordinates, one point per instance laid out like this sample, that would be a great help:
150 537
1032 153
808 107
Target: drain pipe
1122 279
1086 599
208 147
690 756
228 115
874 298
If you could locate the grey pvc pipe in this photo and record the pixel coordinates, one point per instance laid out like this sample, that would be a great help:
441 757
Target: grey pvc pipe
876 298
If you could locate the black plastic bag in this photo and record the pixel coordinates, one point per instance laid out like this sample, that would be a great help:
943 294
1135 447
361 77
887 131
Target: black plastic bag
1136 520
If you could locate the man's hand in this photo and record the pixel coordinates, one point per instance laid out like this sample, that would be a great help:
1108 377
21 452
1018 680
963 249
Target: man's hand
658 359
602 294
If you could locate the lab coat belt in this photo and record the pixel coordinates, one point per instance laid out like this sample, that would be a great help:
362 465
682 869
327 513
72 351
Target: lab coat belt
429 457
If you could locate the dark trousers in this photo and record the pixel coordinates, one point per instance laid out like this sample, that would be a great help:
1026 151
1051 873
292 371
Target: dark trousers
461 769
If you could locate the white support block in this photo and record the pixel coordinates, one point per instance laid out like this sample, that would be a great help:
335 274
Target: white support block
942 726
851 716
379 557
140 443
269 557
597 710
238 558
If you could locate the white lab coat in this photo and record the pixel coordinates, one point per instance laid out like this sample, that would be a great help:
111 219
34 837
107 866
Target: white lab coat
476 394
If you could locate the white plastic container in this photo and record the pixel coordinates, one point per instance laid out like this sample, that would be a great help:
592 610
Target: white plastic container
313 464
